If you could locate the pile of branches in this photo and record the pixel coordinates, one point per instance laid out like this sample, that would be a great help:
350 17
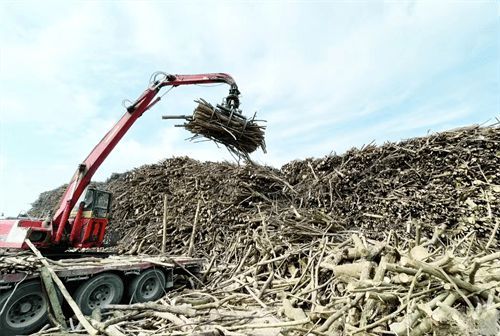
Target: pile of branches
228 127
217 196
392 238
46 202
449 178
325 287
16 261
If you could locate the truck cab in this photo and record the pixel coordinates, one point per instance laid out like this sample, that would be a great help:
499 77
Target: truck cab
97 204
89 218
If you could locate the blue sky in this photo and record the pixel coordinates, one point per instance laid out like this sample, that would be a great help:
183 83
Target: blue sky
326 75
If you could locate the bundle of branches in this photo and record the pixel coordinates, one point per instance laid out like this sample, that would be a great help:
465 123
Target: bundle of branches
228 127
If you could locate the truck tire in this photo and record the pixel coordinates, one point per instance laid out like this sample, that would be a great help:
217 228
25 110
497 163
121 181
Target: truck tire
147 286
25 311
99 291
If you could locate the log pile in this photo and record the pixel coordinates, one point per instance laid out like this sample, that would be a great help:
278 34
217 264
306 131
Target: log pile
447 178
400 238
227 194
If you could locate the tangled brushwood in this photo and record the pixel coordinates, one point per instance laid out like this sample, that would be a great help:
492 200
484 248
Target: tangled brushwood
227 127
399 239
359 286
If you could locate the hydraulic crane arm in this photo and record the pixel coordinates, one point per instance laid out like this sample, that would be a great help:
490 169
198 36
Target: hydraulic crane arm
148 98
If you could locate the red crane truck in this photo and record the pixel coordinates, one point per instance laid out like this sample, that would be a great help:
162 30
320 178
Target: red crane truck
22 301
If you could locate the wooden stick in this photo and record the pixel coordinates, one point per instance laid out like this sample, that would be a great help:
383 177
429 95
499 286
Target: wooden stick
438 273
408 321
266 284
379 276
269 325
493 234
193 232
186 310
53 299
164 238
340 313
477 264
426 325
84 322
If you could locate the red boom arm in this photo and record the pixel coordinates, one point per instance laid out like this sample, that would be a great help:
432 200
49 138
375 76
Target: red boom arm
86 170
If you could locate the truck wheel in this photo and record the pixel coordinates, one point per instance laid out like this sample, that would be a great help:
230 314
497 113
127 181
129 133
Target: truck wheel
99 291
25 311
147 286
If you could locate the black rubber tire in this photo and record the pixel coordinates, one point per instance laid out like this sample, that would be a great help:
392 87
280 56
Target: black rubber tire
29 297
99 291
147 286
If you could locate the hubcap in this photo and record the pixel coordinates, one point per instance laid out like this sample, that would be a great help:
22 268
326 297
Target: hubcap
26 311
25 307
149 287
100 296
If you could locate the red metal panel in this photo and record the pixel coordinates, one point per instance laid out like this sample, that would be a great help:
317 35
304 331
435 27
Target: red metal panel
87 229
6 225
95 231
30 223
77 223
103 231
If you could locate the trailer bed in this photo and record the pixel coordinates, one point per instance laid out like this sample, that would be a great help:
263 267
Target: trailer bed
86 266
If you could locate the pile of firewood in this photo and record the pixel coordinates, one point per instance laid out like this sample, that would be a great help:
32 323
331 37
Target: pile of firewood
46 202
218 196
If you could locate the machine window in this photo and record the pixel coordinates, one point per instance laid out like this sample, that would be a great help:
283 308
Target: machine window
102 201
89 199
